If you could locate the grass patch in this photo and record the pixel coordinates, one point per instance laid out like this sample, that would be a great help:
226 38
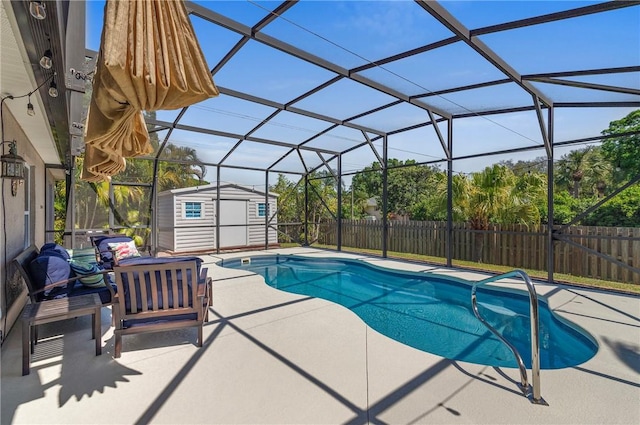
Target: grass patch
471 265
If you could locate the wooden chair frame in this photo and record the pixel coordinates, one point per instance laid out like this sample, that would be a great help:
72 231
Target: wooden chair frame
160 297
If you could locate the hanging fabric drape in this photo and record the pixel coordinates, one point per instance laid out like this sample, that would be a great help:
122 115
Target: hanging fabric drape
149 59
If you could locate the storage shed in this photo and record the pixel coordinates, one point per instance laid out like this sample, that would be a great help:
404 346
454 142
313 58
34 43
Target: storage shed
188 217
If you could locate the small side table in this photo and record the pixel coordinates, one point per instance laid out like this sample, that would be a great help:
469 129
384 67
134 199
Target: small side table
56 310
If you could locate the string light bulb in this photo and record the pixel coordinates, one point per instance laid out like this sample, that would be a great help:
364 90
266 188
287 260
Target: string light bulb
45 60
37 10
30 111
53 89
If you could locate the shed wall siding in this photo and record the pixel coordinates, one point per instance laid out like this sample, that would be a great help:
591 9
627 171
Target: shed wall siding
180 234
166 215
195 234
256 224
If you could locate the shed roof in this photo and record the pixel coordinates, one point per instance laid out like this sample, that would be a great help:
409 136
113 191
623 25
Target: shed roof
213 188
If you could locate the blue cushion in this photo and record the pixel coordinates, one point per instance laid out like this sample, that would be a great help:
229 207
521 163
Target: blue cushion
102 291
132 323
47 269
54 249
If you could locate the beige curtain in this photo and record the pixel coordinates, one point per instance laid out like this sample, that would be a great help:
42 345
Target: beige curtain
149 59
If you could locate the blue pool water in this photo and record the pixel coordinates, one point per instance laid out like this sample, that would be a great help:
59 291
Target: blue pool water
428 312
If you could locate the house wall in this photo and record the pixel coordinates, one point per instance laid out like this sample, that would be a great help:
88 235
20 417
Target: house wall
19 229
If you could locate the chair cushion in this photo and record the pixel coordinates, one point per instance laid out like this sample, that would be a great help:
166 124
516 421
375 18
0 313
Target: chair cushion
132 323
101 290
89 270
55 249
123 250
47 269
102 245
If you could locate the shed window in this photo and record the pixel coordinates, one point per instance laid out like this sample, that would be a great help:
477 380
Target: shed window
193 210
262 209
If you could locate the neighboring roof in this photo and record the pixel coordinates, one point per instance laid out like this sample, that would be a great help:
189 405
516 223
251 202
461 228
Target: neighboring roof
213 188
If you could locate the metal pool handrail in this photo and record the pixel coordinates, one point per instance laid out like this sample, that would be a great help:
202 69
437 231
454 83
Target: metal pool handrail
535 332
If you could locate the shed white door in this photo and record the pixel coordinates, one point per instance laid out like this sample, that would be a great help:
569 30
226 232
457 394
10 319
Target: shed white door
233 214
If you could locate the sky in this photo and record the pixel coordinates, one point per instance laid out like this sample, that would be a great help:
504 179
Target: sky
355 33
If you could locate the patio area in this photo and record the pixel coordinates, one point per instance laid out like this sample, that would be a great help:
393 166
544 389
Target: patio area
274 357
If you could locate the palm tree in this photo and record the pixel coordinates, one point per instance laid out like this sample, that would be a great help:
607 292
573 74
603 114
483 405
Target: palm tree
322 195
600 171
187 172
584 172
495 195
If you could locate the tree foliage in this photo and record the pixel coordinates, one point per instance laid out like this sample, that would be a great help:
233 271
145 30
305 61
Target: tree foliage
584 172
620 211
623 151
407 182
322 204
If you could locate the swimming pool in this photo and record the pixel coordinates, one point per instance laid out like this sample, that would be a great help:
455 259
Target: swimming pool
428 312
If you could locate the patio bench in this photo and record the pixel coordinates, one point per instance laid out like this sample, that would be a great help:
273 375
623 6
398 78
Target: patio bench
49 275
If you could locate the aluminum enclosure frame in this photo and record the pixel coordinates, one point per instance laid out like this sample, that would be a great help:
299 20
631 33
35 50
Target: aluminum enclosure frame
434 116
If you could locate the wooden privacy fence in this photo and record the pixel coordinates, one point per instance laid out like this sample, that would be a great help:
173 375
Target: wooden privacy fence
516 246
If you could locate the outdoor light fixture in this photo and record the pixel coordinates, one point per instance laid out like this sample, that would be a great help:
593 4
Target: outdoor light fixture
12 166
37 10
53 89
30 111
45 60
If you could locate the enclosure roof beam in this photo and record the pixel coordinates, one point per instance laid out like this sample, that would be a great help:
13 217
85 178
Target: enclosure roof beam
583 85
455 26
373 148
629 104
216 18
304 165
463 88
287 107
240 137
551 17
497 28
270 167
253 130
403 55
327 165
212 164
443 143
584 72
543 128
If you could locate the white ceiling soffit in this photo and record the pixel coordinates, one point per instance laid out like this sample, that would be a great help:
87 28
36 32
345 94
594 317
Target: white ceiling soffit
17 79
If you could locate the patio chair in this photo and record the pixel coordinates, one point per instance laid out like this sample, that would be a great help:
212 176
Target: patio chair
160 296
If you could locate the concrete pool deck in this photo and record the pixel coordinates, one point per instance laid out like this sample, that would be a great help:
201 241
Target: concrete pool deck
274 357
